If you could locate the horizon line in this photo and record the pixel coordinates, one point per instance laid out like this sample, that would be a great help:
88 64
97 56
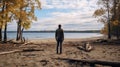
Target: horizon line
66 31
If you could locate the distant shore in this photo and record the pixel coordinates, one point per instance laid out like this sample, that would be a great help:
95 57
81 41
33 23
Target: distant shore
66 31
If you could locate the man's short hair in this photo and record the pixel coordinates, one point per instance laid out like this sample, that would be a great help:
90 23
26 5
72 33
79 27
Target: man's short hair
59 25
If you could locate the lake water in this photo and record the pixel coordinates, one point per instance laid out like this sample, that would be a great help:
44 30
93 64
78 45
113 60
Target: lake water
41 35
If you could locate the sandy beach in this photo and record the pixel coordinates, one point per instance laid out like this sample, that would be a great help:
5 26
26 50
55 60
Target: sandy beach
45 53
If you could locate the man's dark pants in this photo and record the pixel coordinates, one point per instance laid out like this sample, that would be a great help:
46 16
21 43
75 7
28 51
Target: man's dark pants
59 46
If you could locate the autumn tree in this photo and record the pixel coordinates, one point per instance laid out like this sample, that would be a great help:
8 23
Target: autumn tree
20 10
25 15
109 15
5 17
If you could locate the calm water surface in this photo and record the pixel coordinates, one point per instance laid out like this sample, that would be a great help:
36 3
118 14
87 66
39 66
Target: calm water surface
39 35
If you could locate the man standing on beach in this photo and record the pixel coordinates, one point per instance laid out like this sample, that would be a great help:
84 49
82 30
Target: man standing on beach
59 36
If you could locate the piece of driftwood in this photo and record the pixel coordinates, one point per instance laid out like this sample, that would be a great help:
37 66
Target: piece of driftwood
31 49
93 62
86 47
22 50
8 52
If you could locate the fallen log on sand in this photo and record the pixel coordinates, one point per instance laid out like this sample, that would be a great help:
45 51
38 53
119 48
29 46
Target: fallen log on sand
93 62
8 52
22 50
31 49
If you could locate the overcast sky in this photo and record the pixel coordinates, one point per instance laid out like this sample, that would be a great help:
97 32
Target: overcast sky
71 14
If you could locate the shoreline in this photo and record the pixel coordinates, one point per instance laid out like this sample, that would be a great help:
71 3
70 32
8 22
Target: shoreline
52 40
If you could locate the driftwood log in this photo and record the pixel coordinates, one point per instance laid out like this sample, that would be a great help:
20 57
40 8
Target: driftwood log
8 52
22 50
93 62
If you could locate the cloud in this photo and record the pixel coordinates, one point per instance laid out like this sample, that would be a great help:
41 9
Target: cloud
74 20
79 16
68 4
72 14
73 17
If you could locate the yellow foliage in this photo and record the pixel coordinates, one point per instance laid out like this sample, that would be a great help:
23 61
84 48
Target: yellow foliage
116 22
105 30
99 12
20 9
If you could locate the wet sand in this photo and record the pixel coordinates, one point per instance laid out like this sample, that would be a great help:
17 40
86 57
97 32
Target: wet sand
46 54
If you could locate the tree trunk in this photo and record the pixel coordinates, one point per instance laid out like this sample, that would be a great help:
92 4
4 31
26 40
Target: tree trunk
22 35
109 25
115 17
18 30
117 33
0 34
2 21
5 33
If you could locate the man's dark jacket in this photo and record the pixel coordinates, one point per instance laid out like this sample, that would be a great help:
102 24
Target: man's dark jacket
59 34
